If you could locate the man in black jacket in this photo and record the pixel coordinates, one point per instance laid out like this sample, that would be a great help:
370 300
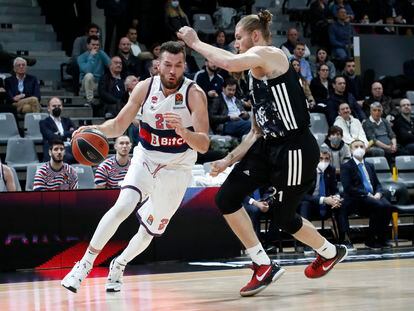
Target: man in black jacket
363 193
404 126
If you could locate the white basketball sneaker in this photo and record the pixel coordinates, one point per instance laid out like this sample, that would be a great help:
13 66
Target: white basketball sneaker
73 279
114 280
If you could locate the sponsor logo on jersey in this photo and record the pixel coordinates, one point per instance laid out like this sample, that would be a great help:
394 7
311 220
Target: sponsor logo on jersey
166 141
179 98
154 99
150 219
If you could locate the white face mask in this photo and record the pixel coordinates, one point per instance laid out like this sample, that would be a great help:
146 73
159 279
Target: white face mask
358 153
175 4
323 165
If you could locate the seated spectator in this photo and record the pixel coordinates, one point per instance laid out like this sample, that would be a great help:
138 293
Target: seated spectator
111 91
80 45
111 172
256 207
298 53
353 81
154 68
56 127
337 4
155 50
55 174
92 64
351 127
322 59
389 111
323 198
305 85
338 150
226 113
6 179
341 36
131 65
209 80
288 47
220 40
387 30
404 126
22 89
320 87
363 194
319 23
367 10
339 95
380 134
175 18
242 90
138 49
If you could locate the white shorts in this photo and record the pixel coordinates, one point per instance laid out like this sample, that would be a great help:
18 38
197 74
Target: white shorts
164 186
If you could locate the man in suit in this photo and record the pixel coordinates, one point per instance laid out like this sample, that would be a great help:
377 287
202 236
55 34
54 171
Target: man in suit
363 193
23 90
55 127
323 198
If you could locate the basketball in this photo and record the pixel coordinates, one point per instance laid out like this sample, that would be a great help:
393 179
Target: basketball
90 147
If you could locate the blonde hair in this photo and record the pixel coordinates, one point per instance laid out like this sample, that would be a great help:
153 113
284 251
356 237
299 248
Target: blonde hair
260 21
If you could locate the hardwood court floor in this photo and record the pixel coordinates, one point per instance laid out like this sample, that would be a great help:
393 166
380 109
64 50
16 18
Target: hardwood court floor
369 285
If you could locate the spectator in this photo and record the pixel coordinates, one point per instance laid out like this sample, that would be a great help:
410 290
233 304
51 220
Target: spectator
133 129
131 65
351 127
298 54
55 174
323 198
56 127
155 50
319 24
226 112
220 40
138 49
80 45
6 179
111 90
22 89
92 65
337 4
320 87
111 172
341 35
322 59
404 126
379 133
256 207
363 194
209 80
289 46
389 111
242 90
353 81
338 150
338 96
387 30
305 85
175 18
154 68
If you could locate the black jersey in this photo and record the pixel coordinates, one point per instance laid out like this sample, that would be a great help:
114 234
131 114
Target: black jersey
279 105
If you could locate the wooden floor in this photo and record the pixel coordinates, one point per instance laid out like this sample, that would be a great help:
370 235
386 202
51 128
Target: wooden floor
369 285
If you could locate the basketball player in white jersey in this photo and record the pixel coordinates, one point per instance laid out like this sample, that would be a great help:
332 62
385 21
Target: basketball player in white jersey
173 128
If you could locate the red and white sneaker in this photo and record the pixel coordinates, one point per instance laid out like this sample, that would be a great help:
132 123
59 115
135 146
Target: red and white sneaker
263 275
322 266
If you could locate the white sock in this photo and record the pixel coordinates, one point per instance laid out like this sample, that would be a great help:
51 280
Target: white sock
258 255
327 250
136 246
89 256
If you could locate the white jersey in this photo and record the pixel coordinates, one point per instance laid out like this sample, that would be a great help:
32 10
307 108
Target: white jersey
160 143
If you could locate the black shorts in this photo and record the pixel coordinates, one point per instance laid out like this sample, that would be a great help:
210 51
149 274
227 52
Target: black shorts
288 165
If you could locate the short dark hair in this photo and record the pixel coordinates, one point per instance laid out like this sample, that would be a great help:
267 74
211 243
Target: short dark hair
335 130
350 60
94 38
229 81
172 47
300 43
337 77
90 26
55 142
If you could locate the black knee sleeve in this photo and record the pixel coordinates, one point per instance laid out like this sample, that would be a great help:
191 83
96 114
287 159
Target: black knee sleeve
227 203
291 225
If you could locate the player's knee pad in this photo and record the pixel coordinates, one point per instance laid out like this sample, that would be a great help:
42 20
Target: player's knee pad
290 225
227 203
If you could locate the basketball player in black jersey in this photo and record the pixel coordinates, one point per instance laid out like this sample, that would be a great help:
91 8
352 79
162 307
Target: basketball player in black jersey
279 149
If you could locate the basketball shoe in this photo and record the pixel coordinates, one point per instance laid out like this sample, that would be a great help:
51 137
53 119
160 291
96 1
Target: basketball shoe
263 275
322 266
114 280
73 279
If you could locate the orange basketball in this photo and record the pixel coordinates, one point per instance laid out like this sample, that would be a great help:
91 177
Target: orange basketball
90 147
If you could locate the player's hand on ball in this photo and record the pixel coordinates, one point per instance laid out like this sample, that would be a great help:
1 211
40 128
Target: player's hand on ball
188 35
82 128
218 166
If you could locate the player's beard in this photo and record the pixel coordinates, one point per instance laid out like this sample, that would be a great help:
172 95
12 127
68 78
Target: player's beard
56 159
170 85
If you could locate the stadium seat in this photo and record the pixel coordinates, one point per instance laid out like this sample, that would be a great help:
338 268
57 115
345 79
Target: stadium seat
85 176
20 153
405 167
31 126
202 23
16 179
382 168
320 138
319 124
30 174
296 5
8 127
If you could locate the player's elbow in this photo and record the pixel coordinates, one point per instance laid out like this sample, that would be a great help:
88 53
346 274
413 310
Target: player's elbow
203 148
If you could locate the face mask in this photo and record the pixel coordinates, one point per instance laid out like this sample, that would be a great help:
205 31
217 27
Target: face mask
56 112
335 140
175 4
358 153
323 165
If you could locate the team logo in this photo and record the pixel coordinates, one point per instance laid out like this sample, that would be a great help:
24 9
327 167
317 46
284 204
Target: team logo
150 219
179 98
154 99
